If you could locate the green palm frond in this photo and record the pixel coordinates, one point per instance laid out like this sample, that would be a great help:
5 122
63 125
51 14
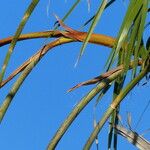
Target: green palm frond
130 51
133 11
91 29
128 44
114 105
143 14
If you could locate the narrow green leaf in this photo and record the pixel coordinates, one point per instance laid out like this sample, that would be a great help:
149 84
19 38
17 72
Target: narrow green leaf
16 36
89 20
128 23
112 54
131 43
140 35
67 14
143 53
95 21
131 14
7 101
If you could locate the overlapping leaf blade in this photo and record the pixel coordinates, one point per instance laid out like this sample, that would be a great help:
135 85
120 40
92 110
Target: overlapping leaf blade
140 34
131 14
131 43
95 21
123 51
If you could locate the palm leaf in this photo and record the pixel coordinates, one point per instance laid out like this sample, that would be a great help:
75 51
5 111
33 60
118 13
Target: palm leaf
89 20
95 21
131 43
114 105
16 36
131 14
80 106
140 34
128 33
67 14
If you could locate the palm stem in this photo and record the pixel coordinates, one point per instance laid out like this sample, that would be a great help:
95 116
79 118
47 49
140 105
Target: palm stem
113 106
80 106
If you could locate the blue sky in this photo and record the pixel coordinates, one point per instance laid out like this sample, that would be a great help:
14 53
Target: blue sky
42 102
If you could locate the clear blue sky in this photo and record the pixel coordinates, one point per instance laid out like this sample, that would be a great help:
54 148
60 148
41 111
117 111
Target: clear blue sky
42 103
